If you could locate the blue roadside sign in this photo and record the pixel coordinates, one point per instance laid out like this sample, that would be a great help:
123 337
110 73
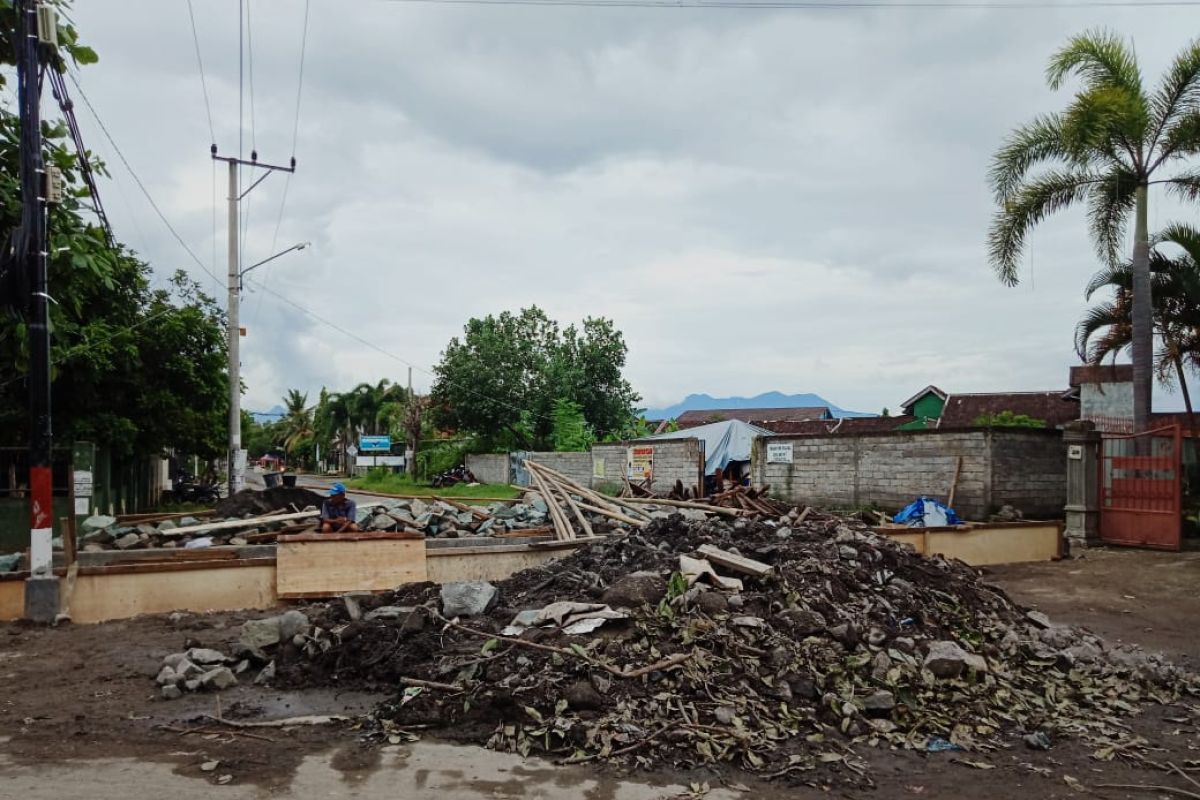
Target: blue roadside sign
374 444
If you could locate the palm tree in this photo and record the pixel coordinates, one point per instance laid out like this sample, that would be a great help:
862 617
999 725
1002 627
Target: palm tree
297 422
1106 329
1107 148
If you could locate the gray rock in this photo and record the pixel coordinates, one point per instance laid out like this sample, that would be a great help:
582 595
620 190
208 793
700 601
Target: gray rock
193 685
97 522
947 660
266 675
418 508
1084 652
582 696
171 692
389 612
847 552
145 529
9 562
128 540
205 657
802 621
880 666
187 522
636 589
93 547
219 678
879 704
712 603
783 533
1038 740
166 675
293 622
1038 618
904 644
1058 636
238 541
467 598
167 525
540 506
723 715
381 522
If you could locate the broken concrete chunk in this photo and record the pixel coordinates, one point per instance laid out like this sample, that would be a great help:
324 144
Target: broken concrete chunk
171 692
166 676
219 678
97 522
467 598
128 540
947 660
879 704
266 675
204 656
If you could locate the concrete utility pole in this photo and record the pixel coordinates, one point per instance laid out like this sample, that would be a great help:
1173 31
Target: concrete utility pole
237 458
41 588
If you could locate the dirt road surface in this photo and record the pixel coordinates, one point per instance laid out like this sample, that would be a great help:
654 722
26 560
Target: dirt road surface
80 717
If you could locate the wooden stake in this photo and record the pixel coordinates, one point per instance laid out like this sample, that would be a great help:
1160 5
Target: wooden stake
954 485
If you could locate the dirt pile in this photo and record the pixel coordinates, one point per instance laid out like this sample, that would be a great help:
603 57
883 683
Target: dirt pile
836 638
251 502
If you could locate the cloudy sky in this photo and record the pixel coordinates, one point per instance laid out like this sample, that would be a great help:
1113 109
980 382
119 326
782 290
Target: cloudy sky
788 200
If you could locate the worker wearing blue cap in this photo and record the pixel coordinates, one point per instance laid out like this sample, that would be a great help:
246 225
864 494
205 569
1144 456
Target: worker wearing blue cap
338 513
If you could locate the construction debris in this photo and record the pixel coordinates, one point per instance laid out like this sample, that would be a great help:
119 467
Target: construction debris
846 640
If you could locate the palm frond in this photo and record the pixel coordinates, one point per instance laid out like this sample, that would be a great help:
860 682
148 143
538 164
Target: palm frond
1099 318
1027 146
1179 92
1028 205
1185 186
1185 236
1111 202
1099 58
1105 119
1114 276
1181 138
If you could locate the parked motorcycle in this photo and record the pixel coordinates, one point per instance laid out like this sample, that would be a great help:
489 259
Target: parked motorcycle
450 477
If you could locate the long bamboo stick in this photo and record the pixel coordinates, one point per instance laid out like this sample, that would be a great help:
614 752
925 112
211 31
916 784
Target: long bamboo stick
583 521
560 523
636 523
654 501
610 503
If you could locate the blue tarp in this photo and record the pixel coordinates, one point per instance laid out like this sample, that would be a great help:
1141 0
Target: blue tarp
926 512
725 441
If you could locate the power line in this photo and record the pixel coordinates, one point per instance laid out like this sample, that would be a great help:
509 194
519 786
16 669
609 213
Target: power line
145 192
250 71
801 5
388 353
203 81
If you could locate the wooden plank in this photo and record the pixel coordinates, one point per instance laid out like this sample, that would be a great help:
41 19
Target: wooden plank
335 564
358 536
241 523
175 566
138 519
954 483
427 497
746 566
118 593
475 512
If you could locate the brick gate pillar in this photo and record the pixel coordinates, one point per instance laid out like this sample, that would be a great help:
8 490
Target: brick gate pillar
1083 484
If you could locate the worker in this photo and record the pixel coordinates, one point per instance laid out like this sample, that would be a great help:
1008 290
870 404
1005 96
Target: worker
338 512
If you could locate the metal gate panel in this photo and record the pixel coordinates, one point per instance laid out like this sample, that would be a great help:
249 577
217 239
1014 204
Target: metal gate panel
1140 489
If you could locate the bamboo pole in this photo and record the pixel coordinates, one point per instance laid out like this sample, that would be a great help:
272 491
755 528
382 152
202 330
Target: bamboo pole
610 503
653 501
560 523
636 523
587 526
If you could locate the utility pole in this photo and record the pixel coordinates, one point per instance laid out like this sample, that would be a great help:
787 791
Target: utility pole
237 459
41 588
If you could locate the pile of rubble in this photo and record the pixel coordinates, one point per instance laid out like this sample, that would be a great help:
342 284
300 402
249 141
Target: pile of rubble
779 645
200 669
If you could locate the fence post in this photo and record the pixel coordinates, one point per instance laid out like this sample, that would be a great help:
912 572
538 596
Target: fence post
1082 508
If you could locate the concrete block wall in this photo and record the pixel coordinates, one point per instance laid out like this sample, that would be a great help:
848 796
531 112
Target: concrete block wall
490 467
576 466
889 470
674 459
1029 471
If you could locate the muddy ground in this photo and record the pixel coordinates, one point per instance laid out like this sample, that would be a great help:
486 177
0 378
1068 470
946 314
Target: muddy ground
80 701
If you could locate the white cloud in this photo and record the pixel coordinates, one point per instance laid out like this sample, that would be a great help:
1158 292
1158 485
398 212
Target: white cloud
760 199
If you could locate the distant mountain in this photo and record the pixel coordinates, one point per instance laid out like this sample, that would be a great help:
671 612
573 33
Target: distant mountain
704 402
274 415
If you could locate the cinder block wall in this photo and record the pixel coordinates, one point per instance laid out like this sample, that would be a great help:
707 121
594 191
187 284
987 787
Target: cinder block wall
674 459
490 467
1026 468
576 466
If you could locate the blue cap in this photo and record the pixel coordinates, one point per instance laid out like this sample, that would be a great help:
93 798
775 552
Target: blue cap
336 489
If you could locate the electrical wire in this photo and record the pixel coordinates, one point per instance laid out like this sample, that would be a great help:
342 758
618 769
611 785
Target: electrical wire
801 5
203 81
145 192
250 75
369 344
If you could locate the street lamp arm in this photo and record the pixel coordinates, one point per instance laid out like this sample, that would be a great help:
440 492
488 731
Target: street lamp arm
299 246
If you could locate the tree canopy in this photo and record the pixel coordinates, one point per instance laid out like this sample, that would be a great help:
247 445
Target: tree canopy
502 379
135 369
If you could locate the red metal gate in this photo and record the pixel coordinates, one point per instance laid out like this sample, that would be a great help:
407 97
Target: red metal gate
1140 489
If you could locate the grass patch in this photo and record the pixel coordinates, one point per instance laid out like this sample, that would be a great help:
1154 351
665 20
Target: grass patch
392 483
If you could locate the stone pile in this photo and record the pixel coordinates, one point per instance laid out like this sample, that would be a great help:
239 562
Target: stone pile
199 669
782 646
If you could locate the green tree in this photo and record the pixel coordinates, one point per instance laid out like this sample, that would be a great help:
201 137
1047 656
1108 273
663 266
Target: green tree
1106 328
570 432
501 380
1107 148
134 369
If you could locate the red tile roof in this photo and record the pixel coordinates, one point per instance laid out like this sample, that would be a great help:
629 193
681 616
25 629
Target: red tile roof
762 417
849 425
962 410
